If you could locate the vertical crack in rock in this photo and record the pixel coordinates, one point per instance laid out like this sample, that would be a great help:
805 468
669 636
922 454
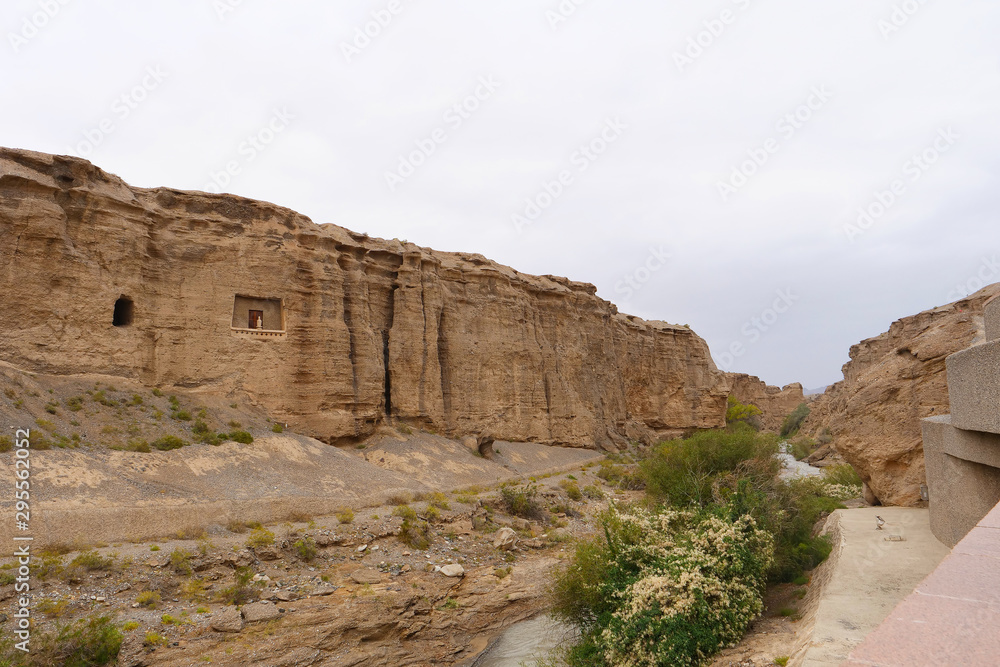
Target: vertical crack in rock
444 365
386 331
344 262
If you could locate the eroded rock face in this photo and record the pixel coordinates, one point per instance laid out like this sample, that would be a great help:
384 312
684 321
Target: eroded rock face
775 402
333 332
892 382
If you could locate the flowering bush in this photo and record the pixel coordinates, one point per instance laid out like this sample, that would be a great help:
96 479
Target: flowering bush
676 587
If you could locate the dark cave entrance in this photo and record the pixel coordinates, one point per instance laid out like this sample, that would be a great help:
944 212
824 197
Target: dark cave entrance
124 312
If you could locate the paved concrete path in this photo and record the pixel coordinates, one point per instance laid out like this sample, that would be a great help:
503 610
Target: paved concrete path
869 577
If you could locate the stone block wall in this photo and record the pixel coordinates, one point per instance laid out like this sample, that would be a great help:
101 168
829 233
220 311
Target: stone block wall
962 450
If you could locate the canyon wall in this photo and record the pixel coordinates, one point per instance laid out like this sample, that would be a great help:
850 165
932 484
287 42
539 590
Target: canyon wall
774 402
152 284
892 382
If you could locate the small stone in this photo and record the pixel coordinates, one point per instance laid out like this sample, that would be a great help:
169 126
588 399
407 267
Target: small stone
260 611
366 576
227 620
362 548
454 570
506 539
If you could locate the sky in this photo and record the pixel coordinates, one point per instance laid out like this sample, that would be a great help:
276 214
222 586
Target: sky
786 177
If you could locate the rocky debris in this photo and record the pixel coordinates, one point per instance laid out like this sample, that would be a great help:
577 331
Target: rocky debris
453 570
242 558
227 620
133 652
260 611
505 539
892 382
324 589
267 553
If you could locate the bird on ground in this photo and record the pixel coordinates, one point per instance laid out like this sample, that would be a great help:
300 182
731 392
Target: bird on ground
879 522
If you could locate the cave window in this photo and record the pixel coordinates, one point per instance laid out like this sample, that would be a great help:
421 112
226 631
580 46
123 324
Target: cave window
124 309
258 314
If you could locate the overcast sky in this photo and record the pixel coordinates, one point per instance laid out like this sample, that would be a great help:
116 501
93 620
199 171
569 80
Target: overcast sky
702 163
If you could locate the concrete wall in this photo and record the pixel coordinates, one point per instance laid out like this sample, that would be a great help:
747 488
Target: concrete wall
963 468
962 450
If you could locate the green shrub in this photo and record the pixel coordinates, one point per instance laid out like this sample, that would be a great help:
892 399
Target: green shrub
843 474
345 515
522 501
241 436
439 500
135 445
169 442
663 588
6 443
405 512
181 415
737 412
100 397
278 428
91 561
180 561
572 489
685 473
88 642
74 404
243 589
306 549
592 492
793 422
260 537
157 392
416 534
148 599
802 448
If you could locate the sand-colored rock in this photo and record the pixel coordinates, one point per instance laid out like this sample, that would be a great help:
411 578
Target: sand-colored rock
892 382
775 402
227 620
359 331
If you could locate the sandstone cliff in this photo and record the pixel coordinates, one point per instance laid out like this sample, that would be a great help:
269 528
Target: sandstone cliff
893 381
774 402
344 331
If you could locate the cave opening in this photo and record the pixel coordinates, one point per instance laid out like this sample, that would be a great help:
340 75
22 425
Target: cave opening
124 312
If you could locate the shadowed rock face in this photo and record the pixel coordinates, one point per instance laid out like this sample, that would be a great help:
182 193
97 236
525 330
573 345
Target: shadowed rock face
892 382
373 330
